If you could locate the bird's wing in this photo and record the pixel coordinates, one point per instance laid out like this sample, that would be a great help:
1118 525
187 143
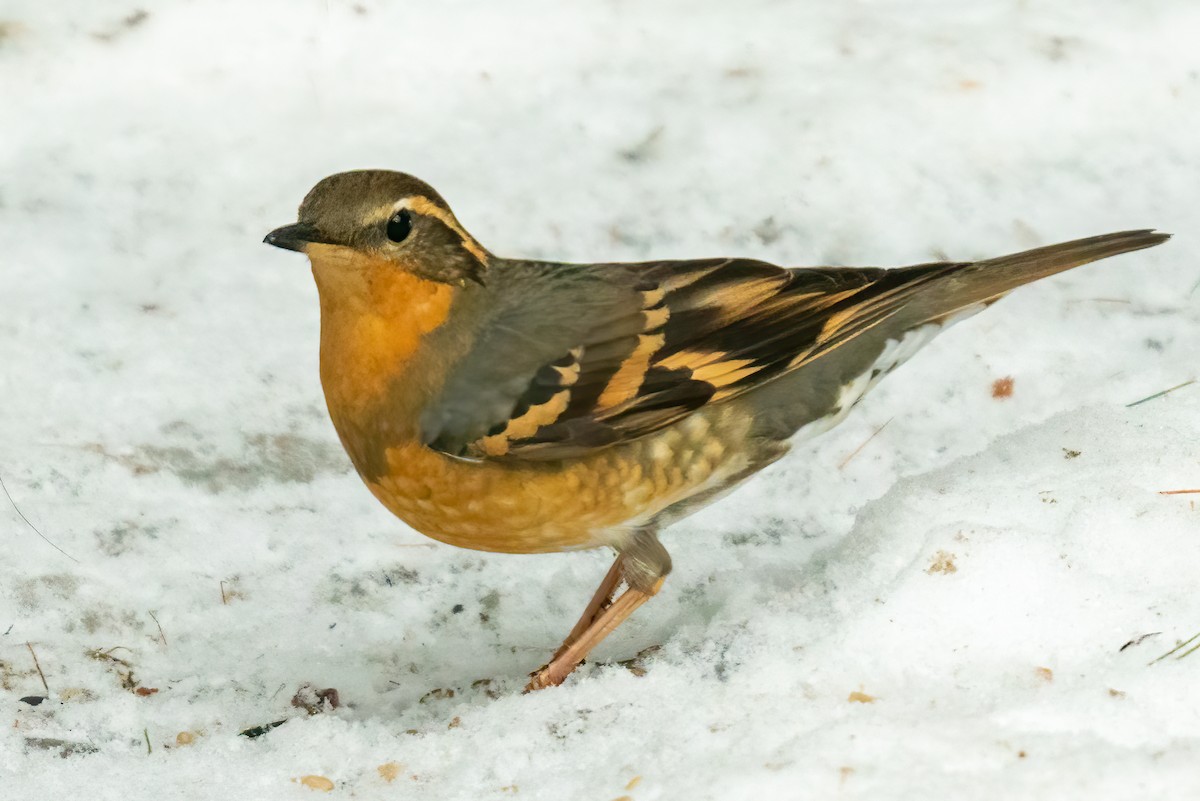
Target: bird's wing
576 367
576 358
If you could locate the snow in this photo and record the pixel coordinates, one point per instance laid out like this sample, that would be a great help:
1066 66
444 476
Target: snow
965 573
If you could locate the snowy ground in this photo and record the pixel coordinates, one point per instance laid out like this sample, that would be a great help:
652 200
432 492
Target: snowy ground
941 616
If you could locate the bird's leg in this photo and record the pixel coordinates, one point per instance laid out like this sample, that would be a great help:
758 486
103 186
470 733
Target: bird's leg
644 565
602 599
568 659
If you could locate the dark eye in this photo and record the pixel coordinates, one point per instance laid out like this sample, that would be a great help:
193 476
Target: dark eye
400 226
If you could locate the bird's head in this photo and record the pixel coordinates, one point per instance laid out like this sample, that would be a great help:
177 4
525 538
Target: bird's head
383 218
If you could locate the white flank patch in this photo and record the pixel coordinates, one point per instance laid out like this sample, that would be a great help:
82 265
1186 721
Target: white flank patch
895 353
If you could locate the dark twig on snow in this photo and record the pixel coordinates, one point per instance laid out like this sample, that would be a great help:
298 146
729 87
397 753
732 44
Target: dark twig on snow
1139 640
258 731
1160 394
31 525
39 667
866 441
161 633
1183 644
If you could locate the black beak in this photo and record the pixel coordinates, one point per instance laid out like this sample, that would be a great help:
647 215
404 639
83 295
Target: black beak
294 236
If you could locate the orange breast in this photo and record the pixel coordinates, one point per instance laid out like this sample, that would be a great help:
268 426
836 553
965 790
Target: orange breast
534 507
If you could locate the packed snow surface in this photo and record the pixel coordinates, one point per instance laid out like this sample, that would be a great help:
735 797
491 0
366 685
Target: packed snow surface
957 593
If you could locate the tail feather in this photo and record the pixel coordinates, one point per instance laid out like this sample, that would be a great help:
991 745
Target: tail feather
878 324
988 280
1030 265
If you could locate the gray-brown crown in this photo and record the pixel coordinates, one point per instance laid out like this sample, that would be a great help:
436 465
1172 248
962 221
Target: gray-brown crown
338 206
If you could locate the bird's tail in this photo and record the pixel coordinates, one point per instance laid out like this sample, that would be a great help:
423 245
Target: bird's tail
988 280
882 325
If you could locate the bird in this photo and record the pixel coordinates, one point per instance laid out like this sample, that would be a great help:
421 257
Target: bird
523 406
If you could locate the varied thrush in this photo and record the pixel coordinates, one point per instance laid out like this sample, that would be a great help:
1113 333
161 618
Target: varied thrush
532 406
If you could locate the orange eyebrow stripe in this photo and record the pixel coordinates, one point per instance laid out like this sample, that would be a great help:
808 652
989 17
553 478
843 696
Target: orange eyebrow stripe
423 205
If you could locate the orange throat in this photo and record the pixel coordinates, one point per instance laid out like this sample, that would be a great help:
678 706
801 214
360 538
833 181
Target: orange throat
374 317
